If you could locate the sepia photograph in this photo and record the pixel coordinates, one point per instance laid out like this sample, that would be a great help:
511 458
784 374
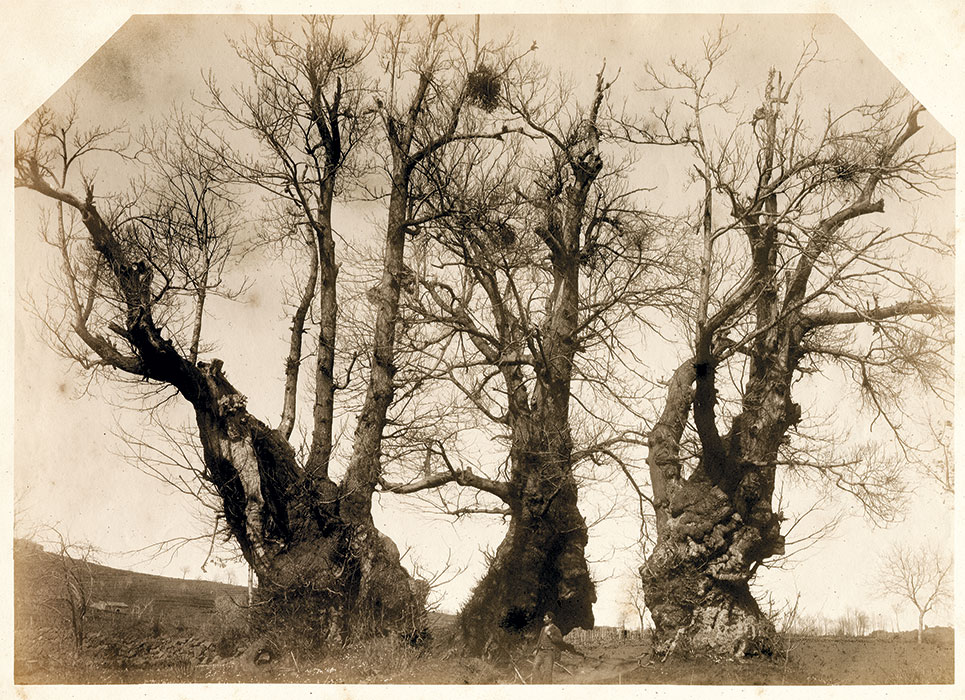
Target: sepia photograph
502 349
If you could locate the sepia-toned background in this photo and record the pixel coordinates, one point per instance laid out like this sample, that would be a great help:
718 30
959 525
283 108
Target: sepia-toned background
70 476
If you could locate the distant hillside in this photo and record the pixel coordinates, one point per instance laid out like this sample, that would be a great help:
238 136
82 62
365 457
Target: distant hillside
39 583
439 621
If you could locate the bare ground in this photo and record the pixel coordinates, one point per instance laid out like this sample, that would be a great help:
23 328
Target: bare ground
811 661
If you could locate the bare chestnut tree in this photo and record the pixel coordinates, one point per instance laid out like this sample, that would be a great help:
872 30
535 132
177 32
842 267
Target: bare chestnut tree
76 585
798 278
539 261
325 572
60 580
921 576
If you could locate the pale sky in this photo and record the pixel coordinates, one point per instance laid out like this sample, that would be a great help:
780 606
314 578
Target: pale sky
63 445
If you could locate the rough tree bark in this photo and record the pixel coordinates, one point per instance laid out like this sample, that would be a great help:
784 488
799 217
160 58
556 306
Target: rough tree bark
313 555
540 565
717 524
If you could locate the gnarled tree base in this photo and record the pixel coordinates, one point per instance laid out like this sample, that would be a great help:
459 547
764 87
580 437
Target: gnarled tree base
326 575
337 590
539 567
697 617
696 581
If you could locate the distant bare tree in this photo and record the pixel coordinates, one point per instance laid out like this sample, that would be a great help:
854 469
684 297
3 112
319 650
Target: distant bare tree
65 590
921 576
809 625
634 600
853 623
896 607
60 579
77 580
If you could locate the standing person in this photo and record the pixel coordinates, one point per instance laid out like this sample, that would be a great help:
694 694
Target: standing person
549 648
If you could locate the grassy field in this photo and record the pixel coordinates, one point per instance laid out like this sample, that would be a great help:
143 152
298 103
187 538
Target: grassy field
811 661
196 632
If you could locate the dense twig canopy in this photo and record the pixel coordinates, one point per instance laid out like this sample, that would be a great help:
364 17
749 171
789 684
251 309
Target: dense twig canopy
503 340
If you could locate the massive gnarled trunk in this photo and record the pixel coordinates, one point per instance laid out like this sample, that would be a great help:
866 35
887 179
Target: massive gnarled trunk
717 524
540 565
714 528
325 572
696 579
